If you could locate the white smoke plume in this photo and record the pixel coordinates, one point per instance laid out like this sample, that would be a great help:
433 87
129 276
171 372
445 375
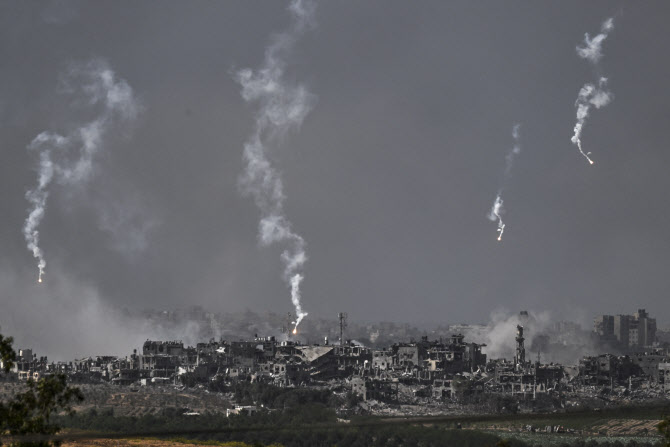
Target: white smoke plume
590 94
282 106
551 341
497 209
68 159
592 49
494 214
500 334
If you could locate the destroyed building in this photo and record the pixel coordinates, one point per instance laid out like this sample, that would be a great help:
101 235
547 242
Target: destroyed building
437 370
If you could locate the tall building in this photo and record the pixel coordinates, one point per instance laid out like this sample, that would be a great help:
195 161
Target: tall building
646 328
630 331
603 325
622 329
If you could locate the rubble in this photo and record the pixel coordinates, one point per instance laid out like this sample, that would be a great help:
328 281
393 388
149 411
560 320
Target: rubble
422 377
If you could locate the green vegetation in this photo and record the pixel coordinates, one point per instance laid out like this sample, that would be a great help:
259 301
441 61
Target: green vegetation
7 354
577 420
170 419
393 436
316 425
29 412
307 417
220 444
664 429
311 424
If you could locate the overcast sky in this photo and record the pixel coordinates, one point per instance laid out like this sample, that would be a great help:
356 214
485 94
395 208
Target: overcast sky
389 178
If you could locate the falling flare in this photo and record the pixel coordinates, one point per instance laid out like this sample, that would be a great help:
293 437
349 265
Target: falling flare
283 106
69 159
497 208
295 331
591 94
494 214
579 145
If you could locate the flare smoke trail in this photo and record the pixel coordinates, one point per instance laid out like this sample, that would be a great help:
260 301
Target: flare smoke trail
494 215
69 159
592 49
591 94
497 208
282 106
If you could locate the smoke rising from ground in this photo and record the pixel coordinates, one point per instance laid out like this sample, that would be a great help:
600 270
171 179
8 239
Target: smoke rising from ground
67 320
563 344
68 159
282 106
590 94
497 209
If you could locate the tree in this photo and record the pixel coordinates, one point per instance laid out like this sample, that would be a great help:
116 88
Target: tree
664 429
7 354
29 412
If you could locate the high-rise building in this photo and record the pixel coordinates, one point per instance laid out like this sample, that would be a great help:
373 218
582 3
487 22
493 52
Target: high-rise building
603 325
622 329
646 328
630 331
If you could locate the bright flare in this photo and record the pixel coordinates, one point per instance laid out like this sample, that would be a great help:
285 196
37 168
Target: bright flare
494 214
295 331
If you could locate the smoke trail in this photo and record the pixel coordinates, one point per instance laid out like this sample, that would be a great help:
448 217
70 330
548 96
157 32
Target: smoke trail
592 49
69 159
282 106
590 94
494 215
497 208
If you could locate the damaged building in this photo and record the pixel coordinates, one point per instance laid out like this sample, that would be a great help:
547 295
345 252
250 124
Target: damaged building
440 371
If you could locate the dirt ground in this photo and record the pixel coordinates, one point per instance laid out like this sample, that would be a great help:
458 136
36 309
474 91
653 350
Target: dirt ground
619 427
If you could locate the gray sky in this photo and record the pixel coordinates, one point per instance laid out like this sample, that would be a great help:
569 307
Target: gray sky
389 178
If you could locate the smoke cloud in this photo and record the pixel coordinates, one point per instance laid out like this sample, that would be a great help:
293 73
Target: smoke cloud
68 159
497 208
282 106
591 94
501 332
592 49
562 342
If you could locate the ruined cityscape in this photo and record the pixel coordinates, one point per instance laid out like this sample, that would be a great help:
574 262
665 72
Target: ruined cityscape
442 372
302 223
